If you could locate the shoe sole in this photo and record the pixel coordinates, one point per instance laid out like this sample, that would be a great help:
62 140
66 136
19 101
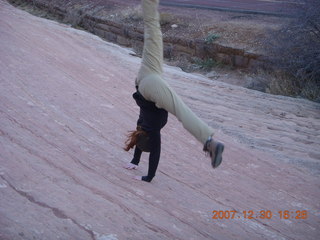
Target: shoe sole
218 155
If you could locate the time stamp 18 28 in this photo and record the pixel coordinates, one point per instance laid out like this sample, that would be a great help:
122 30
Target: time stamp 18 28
260 214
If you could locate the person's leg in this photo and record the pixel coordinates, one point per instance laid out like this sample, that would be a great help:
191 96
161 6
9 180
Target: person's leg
154 89
152 55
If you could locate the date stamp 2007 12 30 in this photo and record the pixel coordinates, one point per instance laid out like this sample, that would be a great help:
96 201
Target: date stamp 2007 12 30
261 214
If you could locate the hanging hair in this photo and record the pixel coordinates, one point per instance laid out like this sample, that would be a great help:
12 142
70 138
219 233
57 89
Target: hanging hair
137 138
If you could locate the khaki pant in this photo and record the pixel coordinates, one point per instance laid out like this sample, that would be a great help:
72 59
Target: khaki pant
150 82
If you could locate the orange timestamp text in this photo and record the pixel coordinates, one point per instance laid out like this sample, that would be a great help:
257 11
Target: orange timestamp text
260 214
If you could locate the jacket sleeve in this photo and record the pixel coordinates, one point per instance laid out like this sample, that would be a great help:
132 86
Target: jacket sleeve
155 146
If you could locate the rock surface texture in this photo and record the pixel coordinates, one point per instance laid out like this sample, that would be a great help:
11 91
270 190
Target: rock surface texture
65 108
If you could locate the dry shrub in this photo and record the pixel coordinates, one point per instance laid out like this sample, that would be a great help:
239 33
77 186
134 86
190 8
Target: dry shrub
166 18
295 50
132 14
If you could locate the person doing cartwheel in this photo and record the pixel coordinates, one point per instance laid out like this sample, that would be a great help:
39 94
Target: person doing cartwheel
156 98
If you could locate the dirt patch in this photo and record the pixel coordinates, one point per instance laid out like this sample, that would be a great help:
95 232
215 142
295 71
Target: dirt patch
194 40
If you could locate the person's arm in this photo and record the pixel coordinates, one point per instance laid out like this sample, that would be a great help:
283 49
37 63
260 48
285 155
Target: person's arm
155 149
136 156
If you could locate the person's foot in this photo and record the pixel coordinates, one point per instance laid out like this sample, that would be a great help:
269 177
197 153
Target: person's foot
130 166
215 150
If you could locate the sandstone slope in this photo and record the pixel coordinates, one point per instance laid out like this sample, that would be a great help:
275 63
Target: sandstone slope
65 109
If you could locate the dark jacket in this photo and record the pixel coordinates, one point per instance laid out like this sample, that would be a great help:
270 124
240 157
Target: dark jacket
151 118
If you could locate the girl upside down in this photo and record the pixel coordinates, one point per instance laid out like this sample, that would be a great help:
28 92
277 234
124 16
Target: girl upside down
156 98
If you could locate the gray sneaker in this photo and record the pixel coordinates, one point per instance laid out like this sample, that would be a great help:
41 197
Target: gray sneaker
215 150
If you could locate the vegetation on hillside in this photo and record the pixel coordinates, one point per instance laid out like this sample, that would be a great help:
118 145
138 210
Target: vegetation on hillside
295 49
